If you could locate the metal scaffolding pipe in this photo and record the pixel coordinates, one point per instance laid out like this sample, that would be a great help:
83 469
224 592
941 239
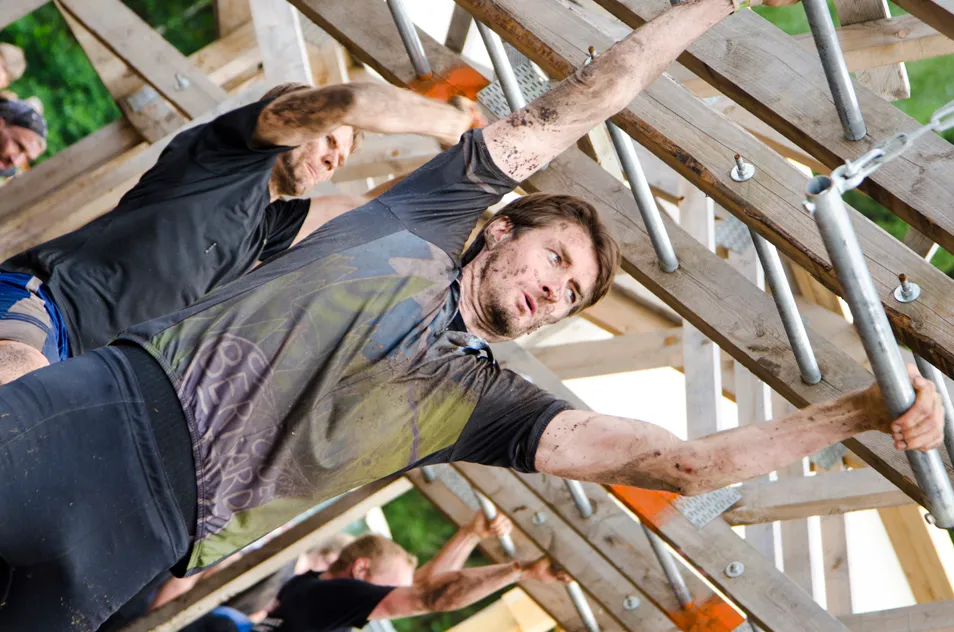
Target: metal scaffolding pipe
645 201
579 498
490 511
408 32
582 607
502 67
934 374
824 199
836 72
670 568
785 301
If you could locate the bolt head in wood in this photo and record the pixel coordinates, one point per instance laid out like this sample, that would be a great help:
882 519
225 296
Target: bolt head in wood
734 569
631 602
743 174
907 292
538 518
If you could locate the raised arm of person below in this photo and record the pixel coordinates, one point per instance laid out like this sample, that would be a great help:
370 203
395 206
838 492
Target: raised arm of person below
298 117
454 554
449 591
531 137
611 450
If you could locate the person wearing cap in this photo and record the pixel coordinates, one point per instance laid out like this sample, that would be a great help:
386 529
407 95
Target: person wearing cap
12 64
22 134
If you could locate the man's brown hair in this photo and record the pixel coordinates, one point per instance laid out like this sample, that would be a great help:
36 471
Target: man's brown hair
543 209
375 548
357 136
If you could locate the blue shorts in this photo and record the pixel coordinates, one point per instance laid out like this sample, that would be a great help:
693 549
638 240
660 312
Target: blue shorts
29 315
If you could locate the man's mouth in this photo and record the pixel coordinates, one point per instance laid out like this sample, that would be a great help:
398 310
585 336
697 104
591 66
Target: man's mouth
531 304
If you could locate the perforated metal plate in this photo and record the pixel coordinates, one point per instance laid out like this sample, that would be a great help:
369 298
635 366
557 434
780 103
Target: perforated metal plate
456 483
745 626
703 509
732 234
531 84
827 457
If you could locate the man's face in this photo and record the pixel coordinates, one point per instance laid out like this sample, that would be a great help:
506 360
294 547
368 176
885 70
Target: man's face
4 75
18 146
392 571
534 279
298 170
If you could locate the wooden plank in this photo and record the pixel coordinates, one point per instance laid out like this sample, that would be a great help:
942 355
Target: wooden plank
278 31
935 617
75 161
936 13
262 562
821 495
551 597
515 611
458 29
887 41
619 314
230 15
632 352
834 535
159 63
13 10
919 558
88 196
700 144
791 94
890 81
701 358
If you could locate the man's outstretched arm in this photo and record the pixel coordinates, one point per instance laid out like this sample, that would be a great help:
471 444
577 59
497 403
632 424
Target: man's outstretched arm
612 450
529 138
455 552
298 117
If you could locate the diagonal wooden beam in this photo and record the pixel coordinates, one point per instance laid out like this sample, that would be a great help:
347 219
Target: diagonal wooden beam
887 81
933 617
278 31
552 597
790 93
13 10
159 63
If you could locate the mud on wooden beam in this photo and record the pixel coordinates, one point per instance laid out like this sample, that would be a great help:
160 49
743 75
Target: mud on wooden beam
790 93
699 144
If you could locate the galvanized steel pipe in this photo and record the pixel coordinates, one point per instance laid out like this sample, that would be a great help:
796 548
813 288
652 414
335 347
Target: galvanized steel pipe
877 338
582 607
490 511
502 67
408 32
934 374
670 568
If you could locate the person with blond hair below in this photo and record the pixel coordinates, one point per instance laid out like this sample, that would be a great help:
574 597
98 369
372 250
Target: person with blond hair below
374 578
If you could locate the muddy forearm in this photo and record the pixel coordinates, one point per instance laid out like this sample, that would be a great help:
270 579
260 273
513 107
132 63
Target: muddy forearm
451 557
452 591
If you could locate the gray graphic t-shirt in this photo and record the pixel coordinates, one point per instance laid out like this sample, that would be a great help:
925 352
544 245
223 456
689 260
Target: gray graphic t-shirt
337 363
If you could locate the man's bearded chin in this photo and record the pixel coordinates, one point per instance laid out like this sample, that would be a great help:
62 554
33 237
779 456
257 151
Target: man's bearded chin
501 322
288 182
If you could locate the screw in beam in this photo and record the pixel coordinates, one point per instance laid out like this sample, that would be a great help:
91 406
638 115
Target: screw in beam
182 82
907 292
538 518
734 569
876 336
742 170
412 42
631 602
836 72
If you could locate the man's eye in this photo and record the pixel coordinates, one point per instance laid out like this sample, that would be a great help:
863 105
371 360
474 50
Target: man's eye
571 295
554 257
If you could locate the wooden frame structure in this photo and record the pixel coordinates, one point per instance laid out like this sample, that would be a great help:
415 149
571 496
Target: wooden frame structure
687 148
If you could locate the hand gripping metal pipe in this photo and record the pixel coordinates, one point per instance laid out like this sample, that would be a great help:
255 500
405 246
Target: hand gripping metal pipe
934 374
824 200
642 194
833 62
791 320
408 32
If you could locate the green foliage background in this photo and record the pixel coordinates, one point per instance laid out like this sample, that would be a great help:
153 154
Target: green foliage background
77 104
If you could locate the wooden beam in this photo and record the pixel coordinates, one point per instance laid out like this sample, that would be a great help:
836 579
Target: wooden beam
458 29
230 15
887 81
632 352
936 13
551 597
934 617
13 10
515 611
262 562
619 314
917 554
159 63
917 188
699 144
834 534
278 31
820 495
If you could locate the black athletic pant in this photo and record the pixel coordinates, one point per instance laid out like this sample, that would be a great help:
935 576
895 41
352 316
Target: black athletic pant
91 483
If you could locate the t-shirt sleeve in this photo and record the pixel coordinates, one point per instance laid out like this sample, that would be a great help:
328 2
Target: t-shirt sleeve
442 200
505 428
226 144
330 604
283 220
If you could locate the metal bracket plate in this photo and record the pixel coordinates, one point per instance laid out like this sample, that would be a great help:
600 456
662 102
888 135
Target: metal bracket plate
531 84
703 509
141 98
745 626
828 457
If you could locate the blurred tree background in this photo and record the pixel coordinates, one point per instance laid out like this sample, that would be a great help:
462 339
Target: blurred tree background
77 104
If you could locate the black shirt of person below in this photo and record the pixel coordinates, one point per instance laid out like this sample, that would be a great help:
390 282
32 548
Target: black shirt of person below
198 219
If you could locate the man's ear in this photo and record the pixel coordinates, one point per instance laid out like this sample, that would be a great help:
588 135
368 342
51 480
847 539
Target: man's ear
361 568
497 230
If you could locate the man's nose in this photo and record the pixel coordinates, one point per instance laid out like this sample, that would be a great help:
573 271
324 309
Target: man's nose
552 290
330 160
